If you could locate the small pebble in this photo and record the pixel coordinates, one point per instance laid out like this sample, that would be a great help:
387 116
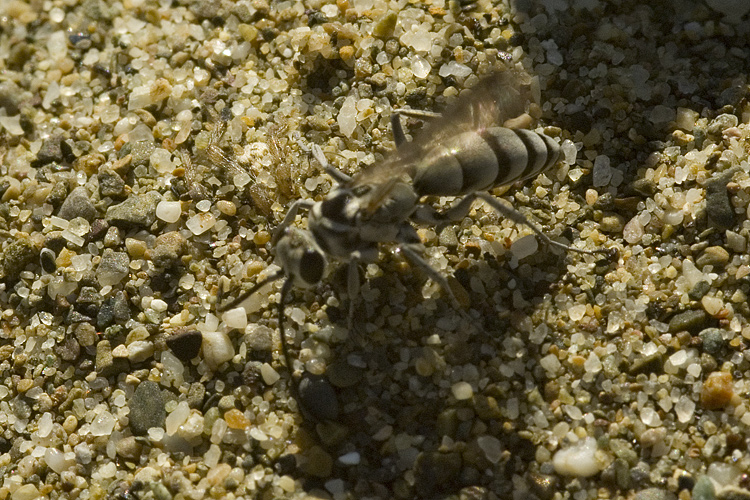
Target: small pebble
135 211
186 345
169 211
146 408
462 391
717 390
236 419
318 398
715 256
713 340
270 376
578 460
217 348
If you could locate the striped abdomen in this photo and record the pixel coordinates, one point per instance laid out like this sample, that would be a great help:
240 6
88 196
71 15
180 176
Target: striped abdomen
477 161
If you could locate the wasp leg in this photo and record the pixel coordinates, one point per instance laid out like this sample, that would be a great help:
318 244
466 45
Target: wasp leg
240 298
416 259
352 288
337 175
426 214
517 217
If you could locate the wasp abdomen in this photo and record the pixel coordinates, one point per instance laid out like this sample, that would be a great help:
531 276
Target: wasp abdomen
476 161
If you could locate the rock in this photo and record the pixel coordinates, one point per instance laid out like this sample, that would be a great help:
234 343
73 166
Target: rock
651 363
734 9
713 340
318 398
341 374
612 223
16 257
11 97
217 349
137 210
717 390
85 334
732 492
78 204
113 267
168 248
129 448
715 256
317 462
146 408
699 290
718 206
110 183
107 365
49 152
185 345
579 460
68 349
259 338
141 152
687 320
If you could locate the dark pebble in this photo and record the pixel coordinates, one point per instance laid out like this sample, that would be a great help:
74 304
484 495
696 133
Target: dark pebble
68 349
11 97
713 340
718 207
49 152
647 364
137 210
78 204
105 315
687 320
58 194
699 290
146 408
435 471
185 345
110 183
342 374
318 398
544 486
16 257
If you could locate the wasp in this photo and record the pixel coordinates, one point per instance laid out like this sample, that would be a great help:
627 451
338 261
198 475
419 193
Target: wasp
474 146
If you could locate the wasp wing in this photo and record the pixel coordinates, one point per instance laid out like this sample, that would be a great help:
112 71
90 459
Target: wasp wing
498 97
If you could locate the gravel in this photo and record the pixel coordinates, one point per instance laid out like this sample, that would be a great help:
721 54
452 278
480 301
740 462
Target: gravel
149 150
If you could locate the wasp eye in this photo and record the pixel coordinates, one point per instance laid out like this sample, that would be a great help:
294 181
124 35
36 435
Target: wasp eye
311 266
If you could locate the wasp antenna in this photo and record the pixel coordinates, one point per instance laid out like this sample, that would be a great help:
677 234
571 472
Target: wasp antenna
275 276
